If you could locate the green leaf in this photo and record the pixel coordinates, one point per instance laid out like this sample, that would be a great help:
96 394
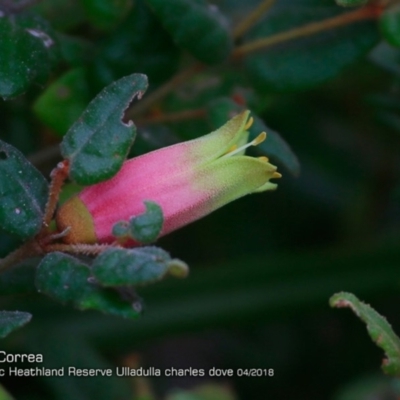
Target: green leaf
23 193
12 320
127 267
69 280
63 101
121 229
275 146
351 3
4 395
378 328
196 26
145 228
97 144
140 43
104 14
219 111
26 54
389 24
387 57
301 63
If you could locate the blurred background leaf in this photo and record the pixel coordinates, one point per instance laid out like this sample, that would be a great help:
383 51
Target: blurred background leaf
11 320
196 26
305 62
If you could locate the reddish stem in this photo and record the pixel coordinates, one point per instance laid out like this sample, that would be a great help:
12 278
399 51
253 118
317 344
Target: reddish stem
364 13
58 176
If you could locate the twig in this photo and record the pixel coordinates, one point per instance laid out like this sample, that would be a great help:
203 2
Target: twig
58 176
29 249
369 12
172 117
86 249
252 18
163 90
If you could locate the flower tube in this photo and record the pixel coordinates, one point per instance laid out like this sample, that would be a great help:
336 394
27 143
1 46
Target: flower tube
188 180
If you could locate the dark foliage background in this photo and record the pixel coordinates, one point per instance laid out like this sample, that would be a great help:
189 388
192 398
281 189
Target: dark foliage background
262 268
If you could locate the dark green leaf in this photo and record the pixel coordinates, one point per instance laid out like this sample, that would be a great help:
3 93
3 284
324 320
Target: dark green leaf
67 279
12 320
121 229
63 101
389 23
378 328
146 227
23 193
104 14
63 277
26 54
387 57
97 144
140 43
196 26
301 63
123 267
274 146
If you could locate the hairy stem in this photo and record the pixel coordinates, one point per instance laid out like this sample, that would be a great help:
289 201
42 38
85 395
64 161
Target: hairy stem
245 24
29 249
84 249
58 176
369 12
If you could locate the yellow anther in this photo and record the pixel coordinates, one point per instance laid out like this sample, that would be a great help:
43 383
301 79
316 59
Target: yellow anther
263 158
249 124
259 139
276 175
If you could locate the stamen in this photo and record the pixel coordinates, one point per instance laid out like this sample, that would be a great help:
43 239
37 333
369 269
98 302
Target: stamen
263 158
259 139
249 124
276 175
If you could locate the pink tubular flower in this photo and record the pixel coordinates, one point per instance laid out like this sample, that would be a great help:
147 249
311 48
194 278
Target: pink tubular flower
188 180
